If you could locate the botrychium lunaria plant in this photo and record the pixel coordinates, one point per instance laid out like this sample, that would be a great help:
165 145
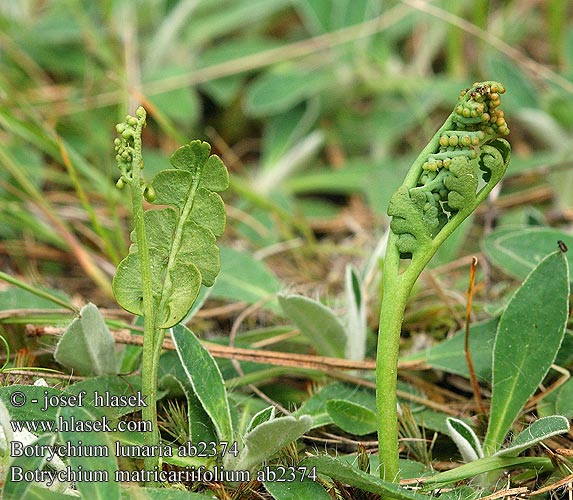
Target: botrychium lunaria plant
173 251
453 174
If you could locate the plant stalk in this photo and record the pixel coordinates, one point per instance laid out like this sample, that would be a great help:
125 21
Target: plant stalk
148 381
396 292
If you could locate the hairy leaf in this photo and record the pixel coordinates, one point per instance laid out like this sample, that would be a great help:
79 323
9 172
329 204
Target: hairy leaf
539 430
317 322
267 439
518 249
352 417
297 489
529 335
346 473
465 438
16 490
94 489
205 378
87 344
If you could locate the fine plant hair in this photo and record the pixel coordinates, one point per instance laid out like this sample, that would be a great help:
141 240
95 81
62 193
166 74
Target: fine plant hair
453 174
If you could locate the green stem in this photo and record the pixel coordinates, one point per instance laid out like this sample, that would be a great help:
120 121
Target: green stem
391 317
148 381
398 285
397 288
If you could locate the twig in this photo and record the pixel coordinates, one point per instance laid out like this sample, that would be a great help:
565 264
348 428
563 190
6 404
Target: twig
473 378
220 351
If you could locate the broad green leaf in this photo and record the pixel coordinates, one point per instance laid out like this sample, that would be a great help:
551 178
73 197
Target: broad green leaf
266 440
315 406
296 490
351 417
205 377
465 438
15 487
280 90
517 250
282 132
243 278
529 335
489 464
200 426
346 473
449 355
181 237
538 431
14 297
105 487
34 402
318 323
87 344
564 399
114 386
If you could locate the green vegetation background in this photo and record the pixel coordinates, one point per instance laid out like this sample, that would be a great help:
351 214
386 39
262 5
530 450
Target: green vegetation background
317 107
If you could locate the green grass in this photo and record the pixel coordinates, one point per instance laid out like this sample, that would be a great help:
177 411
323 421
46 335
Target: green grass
317 109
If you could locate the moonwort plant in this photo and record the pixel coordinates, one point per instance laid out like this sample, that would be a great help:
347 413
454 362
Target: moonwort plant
453 174
173 250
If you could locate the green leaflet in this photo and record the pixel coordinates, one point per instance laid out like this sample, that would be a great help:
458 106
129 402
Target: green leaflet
462 184
412 220
181 236
351 417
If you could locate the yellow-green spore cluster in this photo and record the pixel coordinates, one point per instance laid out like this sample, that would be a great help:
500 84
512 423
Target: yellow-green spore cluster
477 119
